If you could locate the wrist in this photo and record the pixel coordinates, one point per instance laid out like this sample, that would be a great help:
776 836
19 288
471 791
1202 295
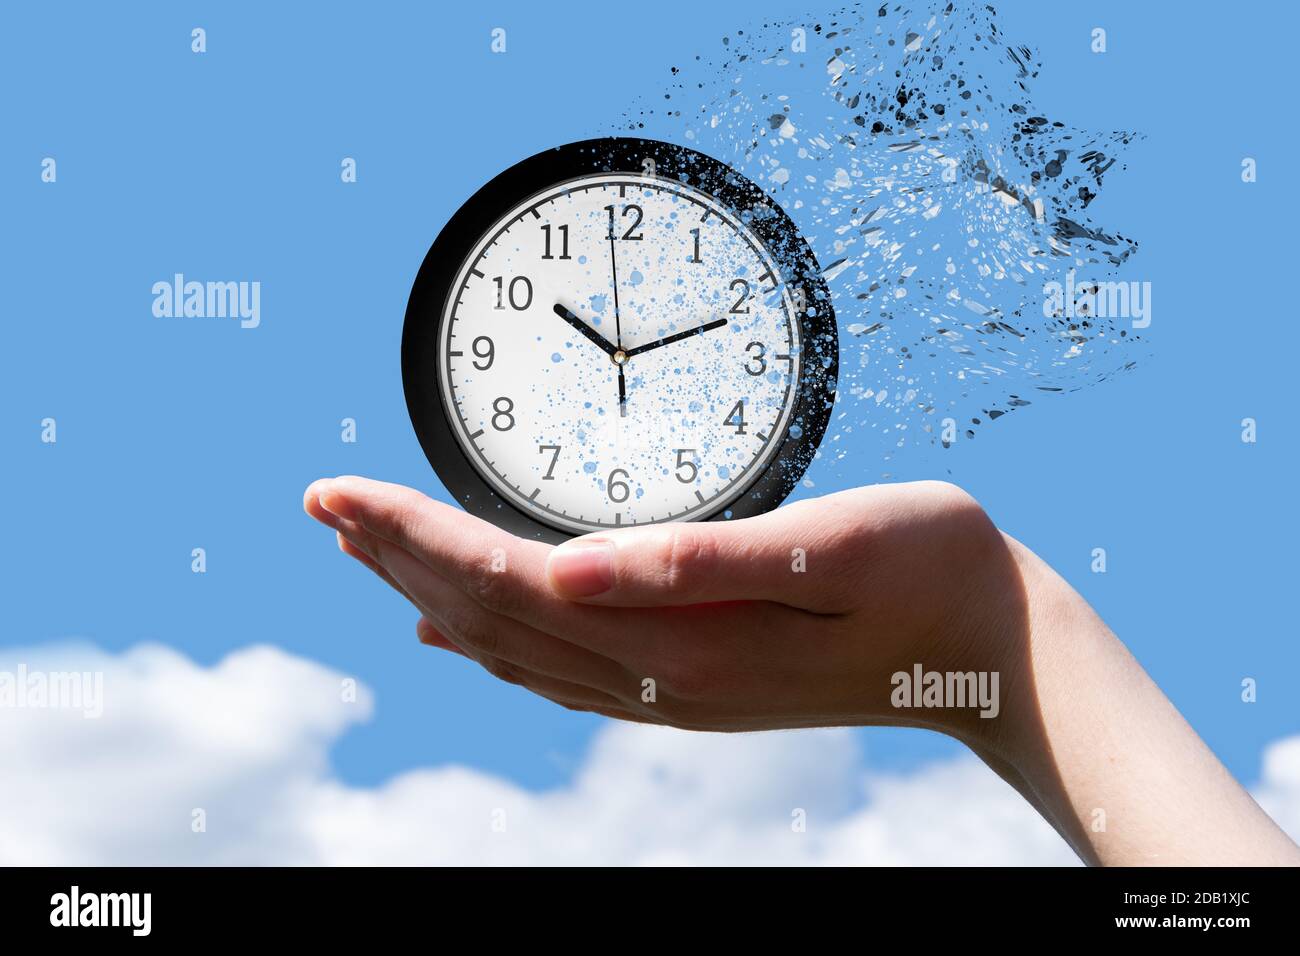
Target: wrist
963 671
1026 612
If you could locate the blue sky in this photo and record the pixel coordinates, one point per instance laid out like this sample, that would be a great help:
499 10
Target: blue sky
175 435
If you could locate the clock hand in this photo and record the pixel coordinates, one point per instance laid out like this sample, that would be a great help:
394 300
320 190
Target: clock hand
618 326
668 340
618 355
613 269
585 329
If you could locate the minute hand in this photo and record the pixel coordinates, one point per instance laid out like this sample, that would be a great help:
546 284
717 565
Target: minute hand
670 339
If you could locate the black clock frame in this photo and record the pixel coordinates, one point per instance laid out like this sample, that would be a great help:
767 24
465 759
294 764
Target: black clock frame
814 393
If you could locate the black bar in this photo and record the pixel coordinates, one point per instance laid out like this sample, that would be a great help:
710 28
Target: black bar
977 907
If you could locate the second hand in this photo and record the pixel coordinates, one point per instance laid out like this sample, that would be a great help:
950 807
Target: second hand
618 325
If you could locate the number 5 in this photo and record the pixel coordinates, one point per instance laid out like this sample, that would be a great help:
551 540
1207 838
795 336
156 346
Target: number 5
683 462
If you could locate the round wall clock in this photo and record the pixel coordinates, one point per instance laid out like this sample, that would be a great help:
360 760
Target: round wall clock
619 332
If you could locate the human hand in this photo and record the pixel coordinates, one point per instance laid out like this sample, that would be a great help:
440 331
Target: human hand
795 618
802 617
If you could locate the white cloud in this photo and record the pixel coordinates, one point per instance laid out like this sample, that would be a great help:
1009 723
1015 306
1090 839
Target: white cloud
1279 789
247 740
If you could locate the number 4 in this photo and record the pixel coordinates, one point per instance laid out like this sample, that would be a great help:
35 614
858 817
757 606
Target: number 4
737 417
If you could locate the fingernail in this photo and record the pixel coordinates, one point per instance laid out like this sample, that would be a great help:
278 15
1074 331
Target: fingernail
336 504
582 568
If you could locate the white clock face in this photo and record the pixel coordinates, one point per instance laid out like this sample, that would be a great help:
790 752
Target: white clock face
548 309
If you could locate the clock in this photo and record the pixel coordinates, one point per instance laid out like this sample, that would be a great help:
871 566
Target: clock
619 332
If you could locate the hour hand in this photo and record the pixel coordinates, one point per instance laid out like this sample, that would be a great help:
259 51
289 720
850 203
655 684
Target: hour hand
670 339
585 329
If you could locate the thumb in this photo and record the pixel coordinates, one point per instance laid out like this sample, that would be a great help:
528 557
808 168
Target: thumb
689 563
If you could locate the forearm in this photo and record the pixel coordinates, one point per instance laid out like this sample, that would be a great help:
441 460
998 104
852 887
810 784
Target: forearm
1095 745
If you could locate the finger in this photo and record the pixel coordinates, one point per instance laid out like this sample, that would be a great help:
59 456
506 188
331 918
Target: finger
311 504
500 572
553 688
570 696
771 557
356 548
430 635
613 713
352 551
483 633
